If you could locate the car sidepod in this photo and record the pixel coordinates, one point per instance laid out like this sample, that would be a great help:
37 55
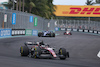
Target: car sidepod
52 52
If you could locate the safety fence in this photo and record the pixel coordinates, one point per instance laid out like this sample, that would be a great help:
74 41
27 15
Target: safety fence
78 25
21 20
77 30
16 32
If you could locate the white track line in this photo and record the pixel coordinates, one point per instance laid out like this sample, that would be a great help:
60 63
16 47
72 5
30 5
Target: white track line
98 54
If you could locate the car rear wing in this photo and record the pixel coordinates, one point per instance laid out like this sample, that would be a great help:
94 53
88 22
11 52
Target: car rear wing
30 43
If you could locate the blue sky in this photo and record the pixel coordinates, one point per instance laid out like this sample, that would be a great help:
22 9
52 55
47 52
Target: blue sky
70 2
3 1
64 2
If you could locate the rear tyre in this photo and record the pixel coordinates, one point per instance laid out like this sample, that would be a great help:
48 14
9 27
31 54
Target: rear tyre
70 33
53 34
64 33
67 54
24 51
39 34
62 53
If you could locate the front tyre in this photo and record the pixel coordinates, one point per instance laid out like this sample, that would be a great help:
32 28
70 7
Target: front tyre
62 53
52 34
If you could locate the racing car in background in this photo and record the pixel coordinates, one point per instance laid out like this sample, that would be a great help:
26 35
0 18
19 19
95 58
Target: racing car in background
42 50
67 33
46 34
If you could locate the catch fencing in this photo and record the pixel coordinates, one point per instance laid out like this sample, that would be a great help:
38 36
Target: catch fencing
12 19
79 25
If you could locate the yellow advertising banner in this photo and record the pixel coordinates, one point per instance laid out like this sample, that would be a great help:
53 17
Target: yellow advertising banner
77 11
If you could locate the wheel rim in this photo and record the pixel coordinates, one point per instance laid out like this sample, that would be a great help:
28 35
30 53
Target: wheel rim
60 51
21 51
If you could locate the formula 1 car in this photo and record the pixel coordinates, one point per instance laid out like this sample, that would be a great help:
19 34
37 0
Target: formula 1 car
67 33
41 50
46 34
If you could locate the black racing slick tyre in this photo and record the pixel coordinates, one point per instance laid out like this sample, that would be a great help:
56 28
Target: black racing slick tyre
62 53
53 34
24 51
39 34
70 33
64 33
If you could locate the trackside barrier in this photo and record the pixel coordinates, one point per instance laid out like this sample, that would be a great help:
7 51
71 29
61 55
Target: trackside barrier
96 32
28 32
35 32
79 30
75 30
57 29
16 32
62 29
5 32
86 31
90 31
69 29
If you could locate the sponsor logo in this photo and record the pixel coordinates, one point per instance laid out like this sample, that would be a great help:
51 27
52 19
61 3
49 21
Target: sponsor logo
14 18
5 32
62 28
75 10
85 30
57 29
80 30
95 31
74 29
35 32
90 31
98 32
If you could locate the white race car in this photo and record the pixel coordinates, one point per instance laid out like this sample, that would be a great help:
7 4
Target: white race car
67 33
46 34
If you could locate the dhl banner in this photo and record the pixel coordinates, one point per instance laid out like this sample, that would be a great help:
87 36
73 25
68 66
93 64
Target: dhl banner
77 11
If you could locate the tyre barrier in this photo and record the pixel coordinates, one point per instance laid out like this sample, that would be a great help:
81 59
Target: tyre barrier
90 31
98 32
79 30
16 32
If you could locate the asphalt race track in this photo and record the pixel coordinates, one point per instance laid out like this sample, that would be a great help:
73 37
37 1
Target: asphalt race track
83 49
